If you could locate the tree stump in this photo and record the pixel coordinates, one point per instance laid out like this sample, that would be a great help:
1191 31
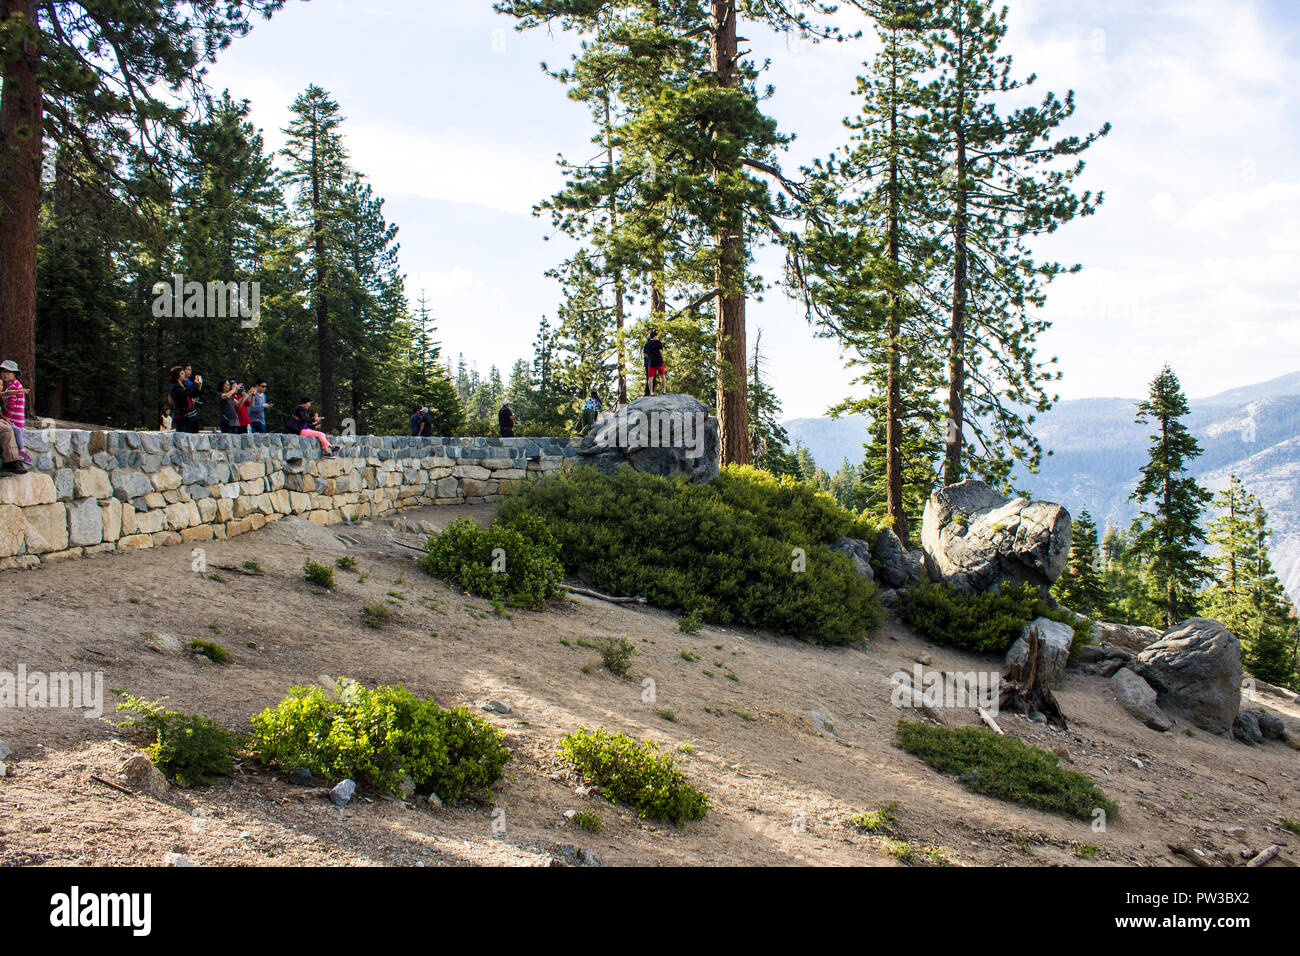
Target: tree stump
1024 687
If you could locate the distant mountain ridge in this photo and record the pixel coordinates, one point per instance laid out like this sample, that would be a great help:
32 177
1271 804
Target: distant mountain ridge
1097 449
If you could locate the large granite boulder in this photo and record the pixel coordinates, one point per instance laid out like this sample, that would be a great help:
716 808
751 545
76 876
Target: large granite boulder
1056 639
859 553
1132 636
1195 670
898 566
660 434
976 539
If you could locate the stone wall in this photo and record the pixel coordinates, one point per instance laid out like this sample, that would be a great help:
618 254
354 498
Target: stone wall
95 492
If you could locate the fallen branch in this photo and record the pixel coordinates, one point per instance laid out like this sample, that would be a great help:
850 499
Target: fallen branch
109 783
988 719
1187 854
1264 856
587 592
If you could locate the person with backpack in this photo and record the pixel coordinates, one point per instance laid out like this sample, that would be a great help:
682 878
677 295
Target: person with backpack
653 350
184 397
303 422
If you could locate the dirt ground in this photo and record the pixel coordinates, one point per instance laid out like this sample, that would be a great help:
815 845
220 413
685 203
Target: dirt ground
781 789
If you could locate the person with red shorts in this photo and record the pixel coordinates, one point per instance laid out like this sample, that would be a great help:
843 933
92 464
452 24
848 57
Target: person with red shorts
653 350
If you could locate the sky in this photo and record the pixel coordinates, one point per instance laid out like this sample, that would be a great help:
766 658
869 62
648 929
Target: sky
1191 259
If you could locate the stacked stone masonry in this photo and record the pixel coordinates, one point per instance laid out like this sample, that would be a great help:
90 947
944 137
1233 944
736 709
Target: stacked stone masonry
91 492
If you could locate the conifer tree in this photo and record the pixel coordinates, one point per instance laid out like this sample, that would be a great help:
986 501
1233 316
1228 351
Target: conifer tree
1080 587
1168 531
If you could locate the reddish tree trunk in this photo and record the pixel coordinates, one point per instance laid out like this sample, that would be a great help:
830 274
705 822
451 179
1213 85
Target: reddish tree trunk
20 181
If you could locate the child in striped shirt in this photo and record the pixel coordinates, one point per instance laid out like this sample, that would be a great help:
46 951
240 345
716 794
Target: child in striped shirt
15 403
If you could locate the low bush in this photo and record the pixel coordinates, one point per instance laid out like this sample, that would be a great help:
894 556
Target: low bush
517 564
1004 767
375 615
746 549
379 736
634 773
983 623
616 655
321 575
191 747
346 563
209 649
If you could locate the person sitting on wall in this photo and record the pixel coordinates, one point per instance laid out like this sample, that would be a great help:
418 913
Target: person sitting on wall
303 422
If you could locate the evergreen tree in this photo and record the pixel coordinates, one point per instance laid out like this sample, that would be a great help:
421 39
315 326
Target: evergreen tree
1081 587
1228 598
1006 185
1168 532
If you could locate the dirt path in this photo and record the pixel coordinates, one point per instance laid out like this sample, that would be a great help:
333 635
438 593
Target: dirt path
781 789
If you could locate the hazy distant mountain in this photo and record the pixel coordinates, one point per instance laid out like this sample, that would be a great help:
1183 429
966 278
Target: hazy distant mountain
1097 449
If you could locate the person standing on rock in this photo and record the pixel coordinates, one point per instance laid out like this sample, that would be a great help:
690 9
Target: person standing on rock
653 350
591 410
506 421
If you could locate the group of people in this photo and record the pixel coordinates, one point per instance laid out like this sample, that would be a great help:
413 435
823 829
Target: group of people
242 409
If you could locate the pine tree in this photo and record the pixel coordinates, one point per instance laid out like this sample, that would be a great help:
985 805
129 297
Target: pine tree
1168 532
1268 652
1006 186
768 438
1227 599
318 169
1081 587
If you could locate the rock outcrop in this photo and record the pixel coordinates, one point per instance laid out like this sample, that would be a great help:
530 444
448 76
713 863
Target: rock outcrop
1136 696
1133 637
1056 639
660 434
1195 670
859 552
975 539
898 566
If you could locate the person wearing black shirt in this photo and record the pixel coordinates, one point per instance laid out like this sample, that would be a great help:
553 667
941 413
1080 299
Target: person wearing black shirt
653 350
183 395
506 420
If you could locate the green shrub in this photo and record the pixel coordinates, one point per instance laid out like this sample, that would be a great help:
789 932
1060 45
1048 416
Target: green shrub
465 554
589 821
881 820
633 773
212 651
379 736
346 563
189 746
375 615
252 567
1004 767
689 623
319 574
720 552
983 623
616 655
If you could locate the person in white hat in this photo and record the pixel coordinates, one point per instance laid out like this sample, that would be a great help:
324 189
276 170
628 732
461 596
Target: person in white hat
15 403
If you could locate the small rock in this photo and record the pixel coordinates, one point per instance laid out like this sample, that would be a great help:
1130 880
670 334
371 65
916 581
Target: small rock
1091 654
499 706
588 857
582 790
570 814
434 800
139 772
5 750
176 859
163 643
1245 727
301 777
822 722
1270 725
923 657
342 793
4 769
1137 763
1235 831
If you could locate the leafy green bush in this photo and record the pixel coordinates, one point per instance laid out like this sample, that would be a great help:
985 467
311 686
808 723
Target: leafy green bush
1004 767
346 563
616 655
525 572
983 623
634 773
721 552
322 575
375 615
379 736
189 746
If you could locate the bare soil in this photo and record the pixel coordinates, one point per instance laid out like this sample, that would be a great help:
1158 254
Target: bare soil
781 790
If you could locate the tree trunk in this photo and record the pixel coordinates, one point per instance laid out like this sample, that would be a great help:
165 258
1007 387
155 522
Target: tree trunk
20 180
620 291
952 467
324 340
893 399
733 404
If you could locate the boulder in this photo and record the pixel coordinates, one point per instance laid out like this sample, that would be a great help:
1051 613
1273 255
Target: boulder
1195 669
1126 635
975 539
140 773
1056 639
1271 726
898 566
660 434
1246 728
1136 696
859 553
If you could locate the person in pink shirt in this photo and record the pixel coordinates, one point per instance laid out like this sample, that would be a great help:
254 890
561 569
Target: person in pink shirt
15 403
